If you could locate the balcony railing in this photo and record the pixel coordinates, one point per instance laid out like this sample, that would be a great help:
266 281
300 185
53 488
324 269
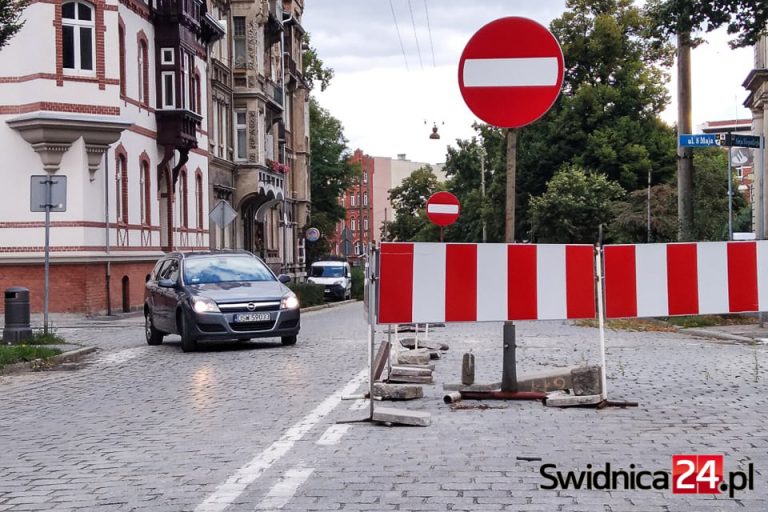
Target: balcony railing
177 128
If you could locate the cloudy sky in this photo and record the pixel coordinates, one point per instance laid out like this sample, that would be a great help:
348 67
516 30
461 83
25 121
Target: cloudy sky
389 90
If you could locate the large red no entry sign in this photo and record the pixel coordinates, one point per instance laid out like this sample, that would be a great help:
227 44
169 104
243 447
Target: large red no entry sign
511 71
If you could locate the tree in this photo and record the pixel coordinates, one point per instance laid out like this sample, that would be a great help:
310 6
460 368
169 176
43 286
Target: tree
606 118
314 68
408 202
330 174
574 205
681 19
10 19
631 222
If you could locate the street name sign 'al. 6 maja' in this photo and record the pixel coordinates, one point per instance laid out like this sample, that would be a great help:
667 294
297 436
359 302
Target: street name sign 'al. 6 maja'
511 72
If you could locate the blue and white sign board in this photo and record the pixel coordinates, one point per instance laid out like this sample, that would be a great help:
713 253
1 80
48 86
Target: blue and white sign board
698 140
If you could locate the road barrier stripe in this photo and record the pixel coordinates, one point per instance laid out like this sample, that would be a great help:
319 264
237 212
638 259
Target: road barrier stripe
686 278
430 282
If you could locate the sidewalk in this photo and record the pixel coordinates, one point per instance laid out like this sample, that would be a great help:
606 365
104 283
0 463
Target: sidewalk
750 334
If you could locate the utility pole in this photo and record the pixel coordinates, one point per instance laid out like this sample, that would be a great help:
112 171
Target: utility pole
482 190
684 154
509 363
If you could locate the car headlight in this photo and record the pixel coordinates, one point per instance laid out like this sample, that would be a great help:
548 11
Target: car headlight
204 305
289 302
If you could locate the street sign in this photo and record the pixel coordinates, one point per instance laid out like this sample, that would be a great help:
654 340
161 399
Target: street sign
443 208
312 234
744 141
222 214
39 198
698 140
511 71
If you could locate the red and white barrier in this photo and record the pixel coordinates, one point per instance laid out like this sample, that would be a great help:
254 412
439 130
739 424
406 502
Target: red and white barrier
685 279
432 282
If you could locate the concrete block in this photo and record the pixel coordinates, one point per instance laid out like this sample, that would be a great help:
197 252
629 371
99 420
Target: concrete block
420 356
412 370
428 344
397 391
563 399
390 415
546 381
586 381
492 386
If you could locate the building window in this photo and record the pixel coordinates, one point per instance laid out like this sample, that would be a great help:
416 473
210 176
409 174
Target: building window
353 224
169 89
241 131
121 42
166 57
77 31
194 91
365 223
143 72
365 199
199 200
352 200
145 193
365 176
121 190
186 97
184 200
358 248
238 37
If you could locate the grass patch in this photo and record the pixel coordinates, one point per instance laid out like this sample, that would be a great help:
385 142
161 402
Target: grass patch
710 320
629 324
40 338
10 354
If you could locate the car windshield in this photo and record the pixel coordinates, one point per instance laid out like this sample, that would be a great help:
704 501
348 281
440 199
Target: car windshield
223 269
327 271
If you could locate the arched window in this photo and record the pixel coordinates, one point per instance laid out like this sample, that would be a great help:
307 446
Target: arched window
146 207
143 71
121 189
184 200
121 41
77 35
199 199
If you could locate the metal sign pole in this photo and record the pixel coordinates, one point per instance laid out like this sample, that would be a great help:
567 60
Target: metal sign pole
48 201
730 195
371 271
601 320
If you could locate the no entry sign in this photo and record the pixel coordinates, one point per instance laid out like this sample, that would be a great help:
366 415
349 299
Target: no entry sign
510 72
443 208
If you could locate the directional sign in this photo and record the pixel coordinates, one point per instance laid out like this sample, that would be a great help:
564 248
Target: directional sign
511 71
312 234
222 214
443 208
698 140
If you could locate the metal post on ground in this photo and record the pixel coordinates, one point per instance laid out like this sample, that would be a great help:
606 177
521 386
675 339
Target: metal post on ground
730 196
48 201
601 321
370 266
509 362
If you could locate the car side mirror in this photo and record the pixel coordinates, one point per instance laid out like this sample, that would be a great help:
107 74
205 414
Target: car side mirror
166 283
284 278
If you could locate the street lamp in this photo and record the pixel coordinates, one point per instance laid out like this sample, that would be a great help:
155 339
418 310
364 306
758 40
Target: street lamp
482 189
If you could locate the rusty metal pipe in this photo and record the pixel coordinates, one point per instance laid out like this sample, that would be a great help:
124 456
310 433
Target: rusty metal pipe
503 395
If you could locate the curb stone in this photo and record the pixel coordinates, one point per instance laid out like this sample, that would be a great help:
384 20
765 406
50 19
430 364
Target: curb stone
64 357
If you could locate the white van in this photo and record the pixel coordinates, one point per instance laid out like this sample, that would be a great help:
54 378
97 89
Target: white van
335 276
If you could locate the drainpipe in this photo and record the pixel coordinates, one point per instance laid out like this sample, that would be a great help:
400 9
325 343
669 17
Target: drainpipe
285 177
106 231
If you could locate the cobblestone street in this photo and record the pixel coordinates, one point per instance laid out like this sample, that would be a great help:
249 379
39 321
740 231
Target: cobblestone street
253 426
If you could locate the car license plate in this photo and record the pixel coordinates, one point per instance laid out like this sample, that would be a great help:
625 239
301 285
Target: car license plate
252 317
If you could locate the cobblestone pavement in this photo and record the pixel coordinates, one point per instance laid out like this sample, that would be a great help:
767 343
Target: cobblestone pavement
253 427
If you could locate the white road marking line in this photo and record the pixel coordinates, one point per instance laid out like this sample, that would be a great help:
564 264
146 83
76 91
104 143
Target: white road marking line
358 405
516 72
282 492
443 208
122 356
234 486
333 434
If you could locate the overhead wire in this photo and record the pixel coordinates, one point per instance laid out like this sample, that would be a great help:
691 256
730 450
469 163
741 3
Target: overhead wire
402 48
429 30
413 22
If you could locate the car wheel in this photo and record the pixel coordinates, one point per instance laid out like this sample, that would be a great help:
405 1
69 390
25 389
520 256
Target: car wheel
188 342
154 337
289 340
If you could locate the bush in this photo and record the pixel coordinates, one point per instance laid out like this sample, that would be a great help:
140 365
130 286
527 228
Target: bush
309 294
358 282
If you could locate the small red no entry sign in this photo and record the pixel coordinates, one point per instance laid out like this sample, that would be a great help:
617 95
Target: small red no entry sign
443 208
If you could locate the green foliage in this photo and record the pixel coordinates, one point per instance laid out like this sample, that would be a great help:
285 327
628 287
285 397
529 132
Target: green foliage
40 338
10 19
314 68
747 19
358 283
408 202
575 204
710 206
10 354
330 176
309 294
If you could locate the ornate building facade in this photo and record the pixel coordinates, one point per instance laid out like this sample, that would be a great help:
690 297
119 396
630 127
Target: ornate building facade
757 101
